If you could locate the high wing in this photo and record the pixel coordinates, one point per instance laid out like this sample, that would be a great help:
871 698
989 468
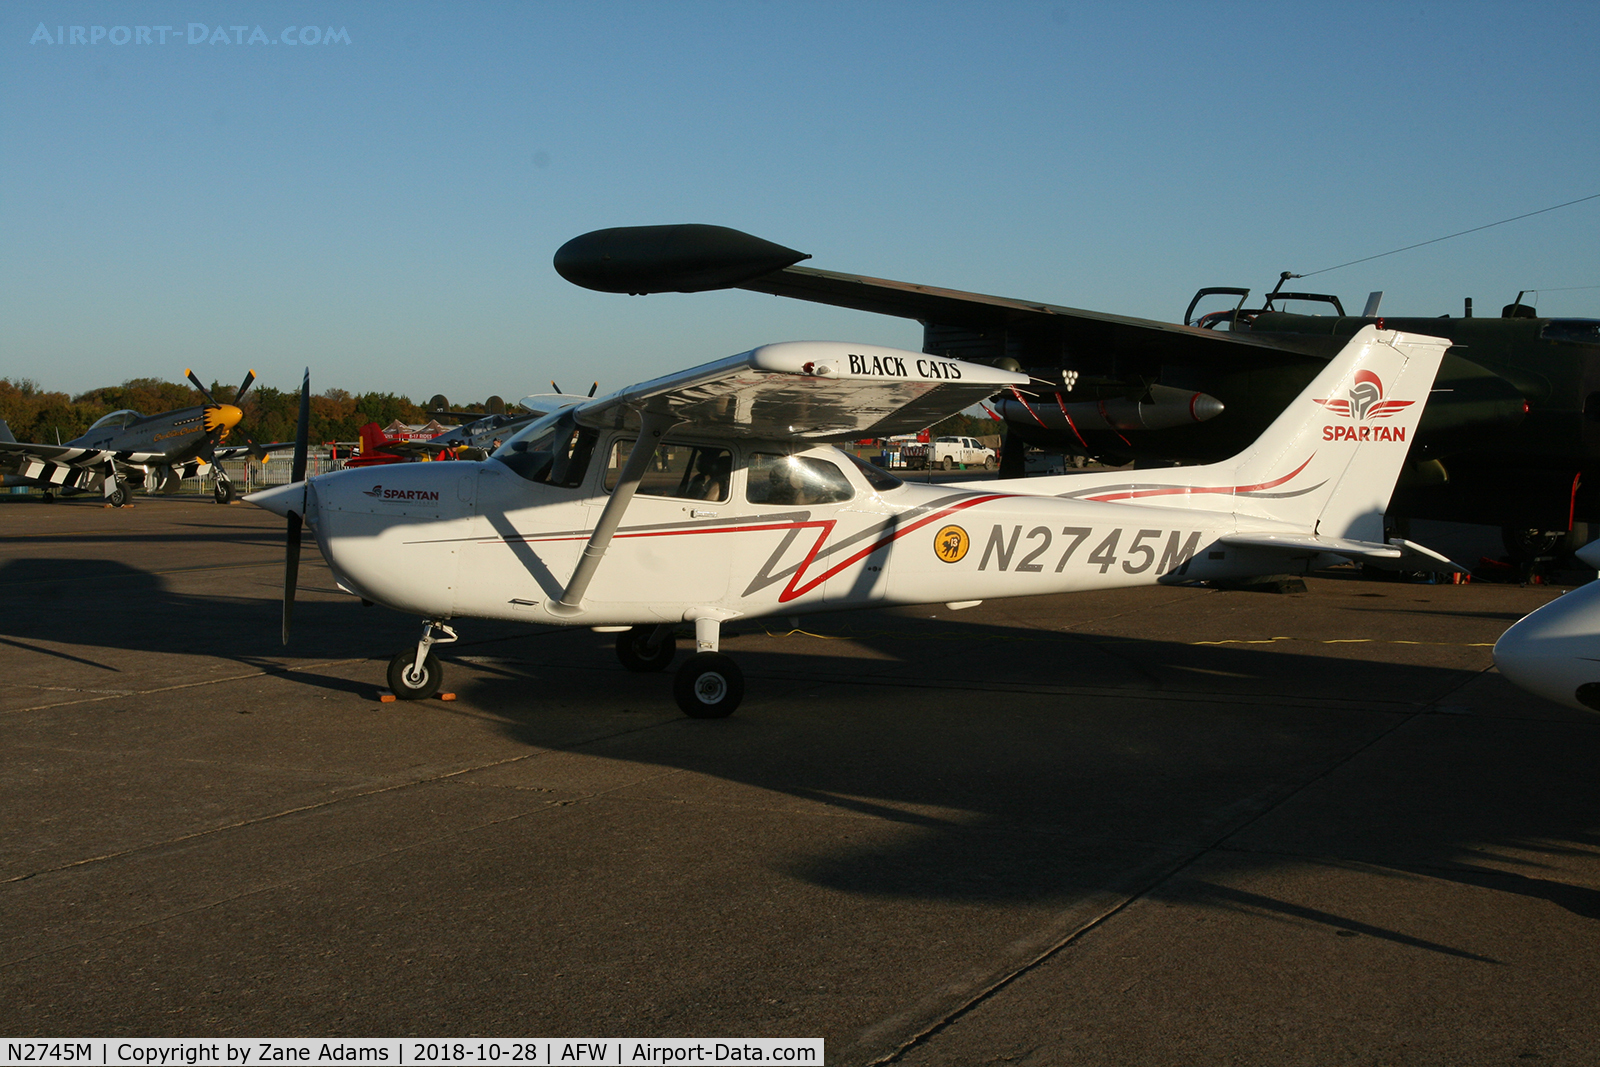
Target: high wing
973 325
808 390
963 325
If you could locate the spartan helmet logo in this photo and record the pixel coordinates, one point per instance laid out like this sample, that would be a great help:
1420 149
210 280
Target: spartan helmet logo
1366 400
1367 391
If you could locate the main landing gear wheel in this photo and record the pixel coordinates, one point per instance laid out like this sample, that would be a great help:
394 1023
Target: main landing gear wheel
407 683
119 495
633 649
709 685
223 492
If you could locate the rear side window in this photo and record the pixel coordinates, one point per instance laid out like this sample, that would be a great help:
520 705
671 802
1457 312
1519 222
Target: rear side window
775 479
877 477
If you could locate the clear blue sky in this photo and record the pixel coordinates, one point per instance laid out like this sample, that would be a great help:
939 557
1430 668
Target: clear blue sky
385 210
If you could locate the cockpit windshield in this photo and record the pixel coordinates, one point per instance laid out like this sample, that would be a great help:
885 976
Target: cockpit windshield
1572 331
554 450
116 418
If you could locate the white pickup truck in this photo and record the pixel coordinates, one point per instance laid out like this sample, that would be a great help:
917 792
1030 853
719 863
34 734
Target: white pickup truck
967 451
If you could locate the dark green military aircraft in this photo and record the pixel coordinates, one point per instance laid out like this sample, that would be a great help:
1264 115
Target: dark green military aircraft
126 449
1510 438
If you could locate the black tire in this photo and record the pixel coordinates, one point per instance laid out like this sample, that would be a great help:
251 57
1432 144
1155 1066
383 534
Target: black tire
709 685
119 495
407 687
223 492
988 463
632 650
949 464
47 498
1525 545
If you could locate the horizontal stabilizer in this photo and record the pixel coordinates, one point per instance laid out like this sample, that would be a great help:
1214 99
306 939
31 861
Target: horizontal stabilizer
1397 555
1417 557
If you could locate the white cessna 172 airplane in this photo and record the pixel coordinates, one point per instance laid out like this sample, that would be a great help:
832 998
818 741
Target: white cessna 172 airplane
736 507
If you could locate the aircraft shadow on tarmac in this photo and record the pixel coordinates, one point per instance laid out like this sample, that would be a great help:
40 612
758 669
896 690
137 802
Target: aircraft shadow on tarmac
1269 757
106 603
1021 764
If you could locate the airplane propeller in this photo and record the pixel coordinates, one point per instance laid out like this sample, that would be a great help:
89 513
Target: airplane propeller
557 388
255 449
297 475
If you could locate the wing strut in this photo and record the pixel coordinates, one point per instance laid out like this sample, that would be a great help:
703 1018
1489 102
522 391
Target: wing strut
652 425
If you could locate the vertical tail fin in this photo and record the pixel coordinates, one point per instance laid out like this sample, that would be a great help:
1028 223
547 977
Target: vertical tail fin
372 439
1330 460
5 434
1327 464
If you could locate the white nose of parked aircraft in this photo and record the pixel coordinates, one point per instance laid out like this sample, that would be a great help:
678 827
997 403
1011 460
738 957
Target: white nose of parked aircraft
1555 652
281 499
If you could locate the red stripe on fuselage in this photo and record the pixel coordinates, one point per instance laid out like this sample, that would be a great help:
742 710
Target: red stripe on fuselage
824 528
1185 490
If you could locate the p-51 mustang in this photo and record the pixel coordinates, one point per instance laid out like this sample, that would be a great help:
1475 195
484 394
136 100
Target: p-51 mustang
126 448
736 507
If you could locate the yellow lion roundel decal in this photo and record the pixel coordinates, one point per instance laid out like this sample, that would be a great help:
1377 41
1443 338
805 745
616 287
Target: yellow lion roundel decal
951 543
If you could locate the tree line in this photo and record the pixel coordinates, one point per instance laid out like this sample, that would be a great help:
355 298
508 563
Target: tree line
36 414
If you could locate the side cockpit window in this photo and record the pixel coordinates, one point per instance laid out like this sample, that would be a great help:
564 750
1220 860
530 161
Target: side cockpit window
788 480
684 472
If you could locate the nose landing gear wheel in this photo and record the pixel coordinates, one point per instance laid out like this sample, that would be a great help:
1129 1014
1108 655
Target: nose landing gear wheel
407 683
633 649
709 685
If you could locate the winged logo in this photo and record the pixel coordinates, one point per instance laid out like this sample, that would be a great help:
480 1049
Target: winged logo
1365 400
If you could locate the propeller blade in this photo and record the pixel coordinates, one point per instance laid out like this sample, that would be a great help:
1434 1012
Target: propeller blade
291 554
593 387
291 570
195 381
255 449
243 388
302 432
554 386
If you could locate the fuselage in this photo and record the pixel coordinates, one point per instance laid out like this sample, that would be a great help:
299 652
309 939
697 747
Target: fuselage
1555 651
745 529
180 435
